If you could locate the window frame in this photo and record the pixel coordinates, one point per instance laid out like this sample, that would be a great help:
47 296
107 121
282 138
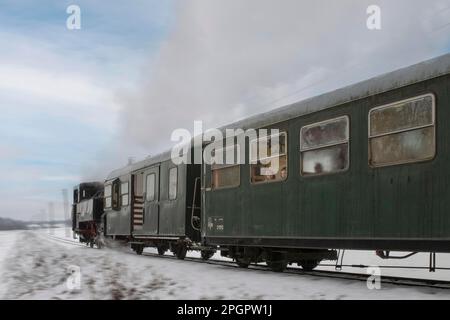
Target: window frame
110 196
122 194
168 184
116 185
154 187
326 146
226 166
392 104
286 154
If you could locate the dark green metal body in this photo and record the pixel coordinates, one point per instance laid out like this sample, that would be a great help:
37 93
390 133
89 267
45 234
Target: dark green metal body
402 207
118 222
164 218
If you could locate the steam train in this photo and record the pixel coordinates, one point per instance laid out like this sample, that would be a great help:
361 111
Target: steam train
365 167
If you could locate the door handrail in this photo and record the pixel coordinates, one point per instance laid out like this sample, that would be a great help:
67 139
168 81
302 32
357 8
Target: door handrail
193 205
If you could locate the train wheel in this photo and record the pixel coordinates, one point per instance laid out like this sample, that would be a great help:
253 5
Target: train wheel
139 249
277 266
309 265
181 252
243 262
207 254
161 250
277 262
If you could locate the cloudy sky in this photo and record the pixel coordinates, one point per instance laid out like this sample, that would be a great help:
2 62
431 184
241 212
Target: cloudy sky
75 104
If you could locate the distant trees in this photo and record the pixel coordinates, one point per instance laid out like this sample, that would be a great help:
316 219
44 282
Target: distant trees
10 224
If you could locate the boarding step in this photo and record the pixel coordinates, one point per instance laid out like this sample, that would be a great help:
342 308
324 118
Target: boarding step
138 217
138 212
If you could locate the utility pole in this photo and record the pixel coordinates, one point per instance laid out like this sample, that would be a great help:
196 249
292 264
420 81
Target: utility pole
42 218
51 216
66 210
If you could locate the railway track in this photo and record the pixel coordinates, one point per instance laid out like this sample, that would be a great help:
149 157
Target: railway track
391 280
63 240
400 281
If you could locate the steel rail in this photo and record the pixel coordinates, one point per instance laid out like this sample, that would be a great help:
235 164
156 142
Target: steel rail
55 238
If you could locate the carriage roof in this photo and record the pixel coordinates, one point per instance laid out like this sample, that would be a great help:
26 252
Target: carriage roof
426 70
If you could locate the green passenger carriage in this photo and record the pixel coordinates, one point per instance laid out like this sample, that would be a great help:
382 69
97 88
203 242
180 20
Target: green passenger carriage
364 167
154 203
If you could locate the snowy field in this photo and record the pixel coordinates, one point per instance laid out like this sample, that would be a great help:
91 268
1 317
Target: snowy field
7 241
35 266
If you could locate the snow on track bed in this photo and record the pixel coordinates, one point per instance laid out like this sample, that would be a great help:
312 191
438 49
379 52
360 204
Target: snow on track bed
65 241
38 269
356 276
404 281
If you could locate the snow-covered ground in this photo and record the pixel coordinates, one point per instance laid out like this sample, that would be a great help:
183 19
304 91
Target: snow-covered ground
7 241
39 268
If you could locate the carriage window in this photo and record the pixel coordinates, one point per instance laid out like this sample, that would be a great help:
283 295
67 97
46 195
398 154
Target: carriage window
324 147
150 187
108 196
402 132
269 159
116 194
227 175
173 183
124 193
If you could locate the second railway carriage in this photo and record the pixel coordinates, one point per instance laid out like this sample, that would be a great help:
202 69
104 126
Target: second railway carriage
155 203
364 167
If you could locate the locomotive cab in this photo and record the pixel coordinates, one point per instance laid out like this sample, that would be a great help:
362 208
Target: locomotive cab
87 211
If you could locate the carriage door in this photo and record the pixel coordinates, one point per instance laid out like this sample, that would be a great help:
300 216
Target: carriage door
151 201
